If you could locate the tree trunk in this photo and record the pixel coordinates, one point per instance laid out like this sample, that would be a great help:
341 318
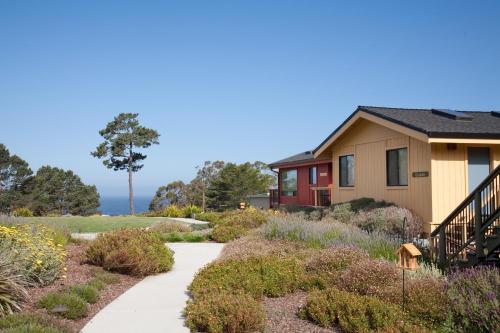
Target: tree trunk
203 200
130 188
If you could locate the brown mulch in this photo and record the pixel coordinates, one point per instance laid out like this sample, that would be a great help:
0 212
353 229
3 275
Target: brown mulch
282 315
77 273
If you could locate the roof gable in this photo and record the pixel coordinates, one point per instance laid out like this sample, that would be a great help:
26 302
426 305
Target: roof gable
423 124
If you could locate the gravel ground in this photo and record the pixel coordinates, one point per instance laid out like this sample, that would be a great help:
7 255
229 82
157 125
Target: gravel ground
79 273
282 315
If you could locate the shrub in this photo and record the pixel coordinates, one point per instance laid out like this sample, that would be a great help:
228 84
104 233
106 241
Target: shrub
353 313
473 295
134 252
258 276
426 270
427 301
342 212
388 220
169 226
248 218
171 211
22 212
97 283
251 246
370 277
67 305
86 292
212 217
40 253
223 233
323 268
191 211
367 204
30 323
225 312
325 234
12 284
106 277
189 237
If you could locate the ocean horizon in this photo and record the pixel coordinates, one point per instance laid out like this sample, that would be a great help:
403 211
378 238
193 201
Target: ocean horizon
118 205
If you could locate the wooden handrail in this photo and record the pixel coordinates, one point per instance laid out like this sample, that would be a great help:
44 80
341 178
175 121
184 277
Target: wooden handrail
467 201
475 218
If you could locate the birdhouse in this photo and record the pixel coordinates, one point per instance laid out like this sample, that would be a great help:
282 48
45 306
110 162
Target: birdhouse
408 254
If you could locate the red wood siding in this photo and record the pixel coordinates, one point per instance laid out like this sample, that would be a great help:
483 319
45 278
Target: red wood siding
304 195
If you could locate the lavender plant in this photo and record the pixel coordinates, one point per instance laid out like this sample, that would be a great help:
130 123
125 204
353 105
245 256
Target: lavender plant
325 234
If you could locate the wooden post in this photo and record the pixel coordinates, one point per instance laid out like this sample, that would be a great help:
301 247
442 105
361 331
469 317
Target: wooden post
478 223
442 246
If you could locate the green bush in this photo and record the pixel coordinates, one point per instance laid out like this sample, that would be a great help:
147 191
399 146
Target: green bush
134 252
258 276
225 313
87 292
474 298
30 323
106 277
171 211
170 226
97 283
223 233
323 268
66 305
325 234
40 253
427 301
367 204
371 277
212 217
235 224
22 212
12 283
342 212
351 312
191 211
189 237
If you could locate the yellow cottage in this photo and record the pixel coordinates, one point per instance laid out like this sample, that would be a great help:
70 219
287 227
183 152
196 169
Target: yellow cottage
427 160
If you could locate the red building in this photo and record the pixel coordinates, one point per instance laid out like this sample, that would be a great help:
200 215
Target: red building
302 181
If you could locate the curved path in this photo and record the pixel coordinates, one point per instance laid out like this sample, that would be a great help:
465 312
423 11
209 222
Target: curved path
155 304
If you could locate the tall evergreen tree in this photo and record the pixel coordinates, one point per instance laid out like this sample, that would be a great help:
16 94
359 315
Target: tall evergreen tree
235 181
174 193
124 137
14 176
55 190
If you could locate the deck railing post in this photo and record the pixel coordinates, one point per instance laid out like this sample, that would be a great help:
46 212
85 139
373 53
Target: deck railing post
442 246
478 223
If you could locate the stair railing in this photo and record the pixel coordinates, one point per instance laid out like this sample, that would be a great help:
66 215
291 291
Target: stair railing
463 232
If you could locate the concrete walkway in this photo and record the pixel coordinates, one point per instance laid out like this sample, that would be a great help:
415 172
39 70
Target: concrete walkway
155 304
187 220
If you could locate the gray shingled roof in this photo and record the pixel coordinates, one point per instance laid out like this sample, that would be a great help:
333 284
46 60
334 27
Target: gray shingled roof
430 122
482 125
302 157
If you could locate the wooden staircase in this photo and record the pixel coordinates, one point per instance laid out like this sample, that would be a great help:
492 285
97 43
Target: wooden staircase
470 235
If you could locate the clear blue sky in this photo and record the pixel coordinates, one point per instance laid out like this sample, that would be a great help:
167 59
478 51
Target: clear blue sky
230 80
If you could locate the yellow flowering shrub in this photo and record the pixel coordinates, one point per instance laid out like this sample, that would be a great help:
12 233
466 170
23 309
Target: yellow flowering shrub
42 256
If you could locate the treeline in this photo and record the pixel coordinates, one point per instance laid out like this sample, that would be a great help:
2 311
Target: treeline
50 191
218 186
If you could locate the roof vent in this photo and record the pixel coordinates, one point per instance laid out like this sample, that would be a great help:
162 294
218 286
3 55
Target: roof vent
308 152
452 114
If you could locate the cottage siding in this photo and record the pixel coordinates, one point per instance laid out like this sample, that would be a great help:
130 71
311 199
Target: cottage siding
368 142
305 195
449 177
